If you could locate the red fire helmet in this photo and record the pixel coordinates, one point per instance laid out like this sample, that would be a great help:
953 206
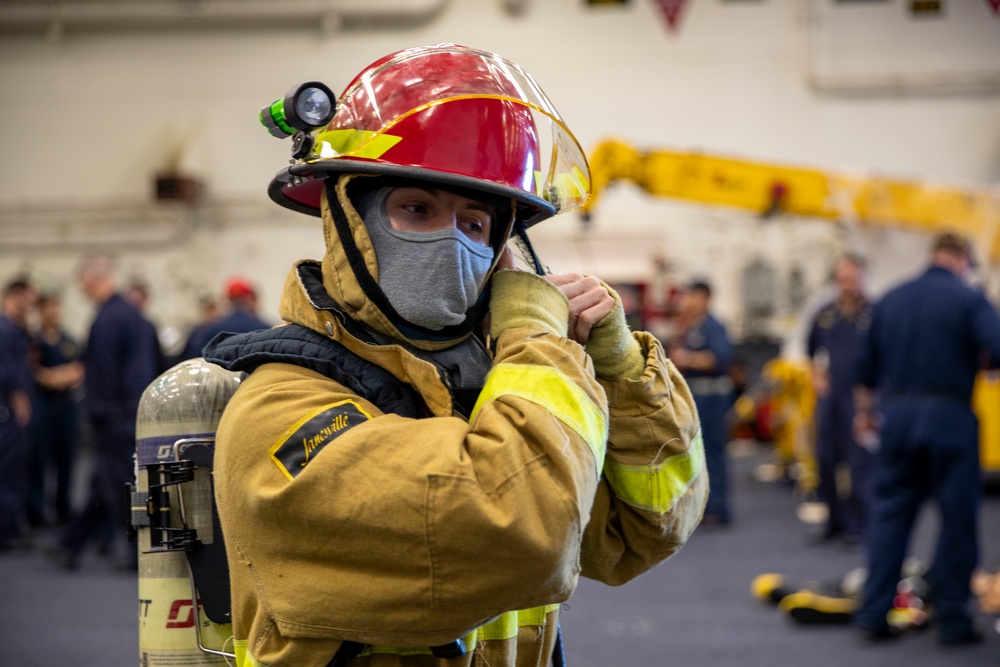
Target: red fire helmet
451 115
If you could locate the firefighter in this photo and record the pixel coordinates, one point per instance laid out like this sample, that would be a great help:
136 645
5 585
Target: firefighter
429 453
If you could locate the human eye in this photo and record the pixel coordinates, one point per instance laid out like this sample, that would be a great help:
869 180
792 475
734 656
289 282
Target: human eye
415 207
476 228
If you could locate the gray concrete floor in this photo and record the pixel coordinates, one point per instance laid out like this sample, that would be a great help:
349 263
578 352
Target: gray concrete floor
696 609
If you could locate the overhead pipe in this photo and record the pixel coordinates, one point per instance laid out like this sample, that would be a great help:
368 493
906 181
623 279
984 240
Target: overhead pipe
56 19
128 224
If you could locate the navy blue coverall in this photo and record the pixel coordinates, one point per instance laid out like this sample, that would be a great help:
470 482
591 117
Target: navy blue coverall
56 431
927 341
15 376
838 336
119 362
712 392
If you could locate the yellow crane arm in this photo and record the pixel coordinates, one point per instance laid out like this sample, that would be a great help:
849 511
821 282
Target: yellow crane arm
765 188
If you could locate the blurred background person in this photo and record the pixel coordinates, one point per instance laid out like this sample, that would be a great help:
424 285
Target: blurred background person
120 360
58 379
834 345
927 340
241 318
702 352
208 309
16 388
137 294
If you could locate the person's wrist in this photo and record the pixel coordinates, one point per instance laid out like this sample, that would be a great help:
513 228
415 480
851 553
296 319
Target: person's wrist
611 346
520 298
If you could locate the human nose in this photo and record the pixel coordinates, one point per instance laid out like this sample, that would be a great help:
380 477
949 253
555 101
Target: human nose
445 219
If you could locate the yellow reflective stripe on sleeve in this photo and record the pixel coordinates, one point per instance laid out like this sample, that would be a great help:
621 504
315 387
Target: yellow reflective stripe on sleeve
243 658
506 626
657 488
503 627
547 387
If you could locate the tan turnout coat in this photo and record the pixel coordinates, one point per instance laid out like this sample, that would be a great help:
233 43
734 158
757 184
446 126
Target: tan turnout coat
408 533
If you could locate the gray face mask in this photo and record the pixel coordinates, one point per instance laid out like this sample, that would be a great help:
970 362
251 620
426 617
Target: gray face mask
430 278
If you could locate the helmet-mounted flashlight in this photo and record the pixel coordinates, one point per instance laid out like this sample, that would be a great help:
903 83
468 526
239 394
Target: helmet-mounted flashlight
306 107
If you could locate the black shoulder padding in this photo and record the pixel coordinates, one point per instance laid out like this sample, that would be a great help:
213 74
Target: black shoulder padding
301 346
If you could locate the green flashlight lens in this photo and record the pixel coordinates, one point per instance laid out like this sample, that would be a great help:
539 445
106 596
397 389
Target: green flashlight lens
313 106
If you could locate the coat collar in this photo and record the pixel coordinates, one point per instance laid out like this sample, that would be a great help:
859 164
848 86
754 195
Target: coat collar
305 301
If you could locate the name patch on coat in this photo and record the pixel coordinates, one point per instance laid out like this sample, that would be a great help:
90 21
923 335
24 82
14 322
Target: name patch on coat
304 439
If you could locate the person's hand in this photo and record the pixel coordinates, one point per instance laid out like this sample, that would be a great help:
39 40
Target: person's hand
21 405
74 374
60 378
589 302
866 426
821 384
680 356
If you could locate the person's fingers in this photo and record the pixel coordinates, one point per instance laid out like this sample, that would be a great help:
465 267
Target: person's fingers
596 299
597 312
580 286
589 302
563 279
587 309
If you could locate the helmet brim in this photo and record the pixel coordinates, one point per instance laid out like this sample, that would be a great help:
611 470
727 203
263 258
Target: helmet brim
301 196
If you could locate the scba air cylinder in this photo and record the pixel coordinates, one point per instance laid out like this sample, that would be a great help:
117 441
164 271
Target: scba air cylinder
173 512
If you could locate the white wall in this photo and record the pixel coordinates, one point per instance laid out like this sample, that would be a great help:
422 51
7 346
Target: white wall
90 118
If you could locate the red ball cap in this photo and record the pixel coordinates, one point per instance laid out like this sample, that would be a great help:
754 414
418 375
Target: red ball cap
239 288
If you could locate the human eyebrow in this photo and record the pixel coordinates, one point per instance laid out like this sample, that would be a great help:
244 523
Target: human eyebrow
478 206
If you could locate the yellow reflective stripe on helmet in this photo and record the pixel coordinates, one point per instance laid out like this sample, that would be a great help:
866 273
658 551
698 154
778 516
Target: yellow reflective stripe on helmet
547 387
657 488
356 143
506 626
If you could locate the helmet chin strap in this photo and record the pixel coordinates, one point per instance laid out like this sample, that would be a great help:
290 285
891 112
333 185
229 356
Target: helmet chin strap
521 232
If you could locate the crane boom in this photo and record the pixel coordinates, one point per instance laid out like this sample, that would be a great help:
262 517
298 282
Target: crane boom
769 188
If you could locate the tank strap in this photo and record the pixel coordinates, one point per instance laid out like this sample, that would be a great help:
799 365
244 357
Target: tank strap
301 346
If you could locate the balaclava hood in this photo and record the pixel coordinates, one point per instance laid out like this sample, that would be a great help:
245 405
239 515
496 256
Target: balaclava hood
430 278
351 273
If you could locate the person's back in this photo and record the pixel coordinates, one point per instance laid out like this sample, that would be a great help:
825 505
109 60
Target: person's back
927 340
120 360
934 327
929 333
